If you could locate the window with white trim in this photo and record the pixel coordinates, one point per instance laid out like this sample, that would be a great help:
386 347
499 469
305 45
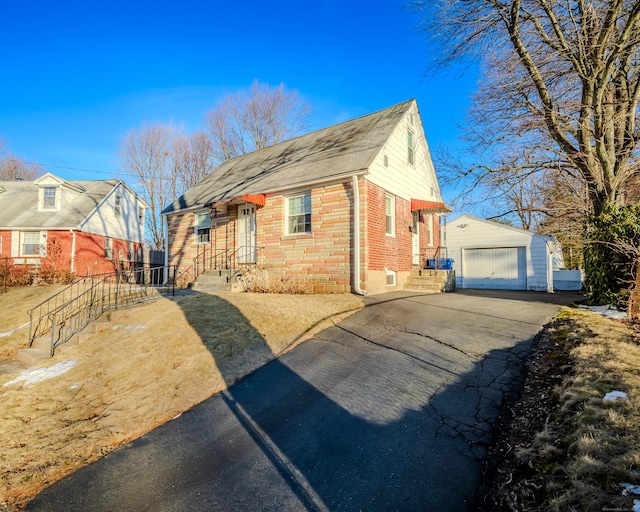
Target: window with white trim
429 223
410 148
299 214
30 243
141 211
390 215
49 198
202 227
118 206
108 247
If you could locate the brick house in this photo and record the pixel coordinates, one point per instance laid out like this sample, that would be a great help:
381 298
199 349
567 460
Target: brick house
81 226
352 207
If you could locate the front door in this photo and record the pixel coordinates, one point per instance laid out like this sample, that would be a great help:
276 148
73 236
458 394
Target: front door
415 239
247 233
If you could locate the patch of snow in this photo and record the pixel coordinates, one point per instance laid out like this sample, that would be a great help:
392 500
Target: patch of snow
128 327
75 386
608 311
630 489
612 396
9 333
38 373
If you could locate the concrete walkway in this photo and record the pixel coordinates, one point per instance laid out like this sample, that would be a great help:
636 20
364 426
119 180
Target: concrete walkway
390 410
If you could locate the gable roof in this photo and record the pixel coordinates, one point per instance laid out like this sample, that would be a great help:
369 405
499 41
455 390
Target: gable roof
19 203
340 150
500 225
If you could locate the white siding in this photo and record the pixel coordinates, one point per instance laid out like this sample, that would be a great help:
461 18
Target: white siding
104 221
399 177
467 232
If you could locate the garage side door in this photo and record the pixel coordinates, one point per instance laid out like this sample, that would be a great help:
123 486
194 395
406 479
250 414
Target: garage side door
503 268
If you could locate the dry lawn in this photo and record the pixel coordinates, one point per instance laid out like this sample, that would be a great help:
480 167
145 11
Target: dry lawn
584 447
146 366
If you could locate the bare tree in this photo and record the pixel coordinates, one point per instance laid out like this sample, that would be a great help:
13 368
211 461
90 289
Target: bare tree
13 168
145 153
192 158
166 163
559 91
254 119
561 80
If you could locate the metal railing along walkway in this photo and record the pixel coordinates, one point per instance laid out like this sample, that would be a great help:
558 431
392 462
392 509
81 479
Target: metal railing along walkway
72 309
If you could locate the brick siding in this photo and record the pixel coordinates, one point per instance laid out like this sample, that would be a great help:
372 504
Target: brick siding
89 252
322 258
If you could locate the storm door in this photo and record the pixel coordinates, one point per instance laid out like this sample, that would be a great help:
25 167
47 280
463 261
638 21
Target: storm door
247 233
415 239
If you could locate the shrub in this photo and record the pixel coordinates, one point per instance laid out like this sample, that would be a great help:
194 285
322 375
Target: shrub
612 242
262 281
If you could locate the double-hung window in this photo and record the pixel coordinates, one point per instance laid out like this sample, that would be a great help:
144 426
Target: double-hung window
31 243
429 222
49 198
390 215
202 227
299 214
108 248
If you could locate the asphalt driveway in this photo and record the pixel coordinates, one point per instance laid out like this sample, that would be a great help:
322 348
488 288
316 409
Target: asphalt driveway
392 409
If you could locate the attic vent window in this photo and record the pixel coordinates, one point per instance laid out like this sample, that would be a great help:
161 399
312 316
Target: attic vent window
410 148
386 161
118 206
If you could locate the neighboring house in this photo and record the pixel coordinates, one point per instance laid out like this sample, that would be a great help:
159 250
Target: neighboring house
350 207
487 254
81 226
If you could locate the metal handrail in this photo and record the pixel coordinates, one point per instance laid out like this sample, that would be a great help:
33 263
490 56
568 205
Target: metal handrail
61 320
434 257
221 260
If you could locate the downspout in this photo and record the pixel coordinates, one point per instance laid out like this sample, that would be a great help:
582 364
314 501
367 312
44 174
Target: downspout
165 229
73 251
356 238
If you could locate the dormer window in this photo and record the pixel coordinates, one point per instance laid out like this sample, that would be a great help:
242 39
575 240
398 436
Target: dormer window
49 198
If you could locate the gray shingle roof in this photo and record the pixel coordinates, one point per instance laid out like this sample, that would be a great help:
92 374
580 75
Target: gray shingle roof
19 204
338 150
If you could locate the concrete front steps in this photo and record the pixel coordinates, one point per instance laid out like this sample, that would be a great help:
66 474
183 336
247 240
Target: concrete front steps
430 280
216 281
40 349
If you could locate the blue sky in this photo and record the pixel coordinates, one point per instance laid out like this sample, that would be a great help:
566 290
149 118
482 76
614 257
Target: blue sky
79 75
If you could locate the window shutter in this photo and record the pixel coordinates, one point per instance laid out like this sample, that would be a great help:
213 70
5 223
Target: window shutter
15 244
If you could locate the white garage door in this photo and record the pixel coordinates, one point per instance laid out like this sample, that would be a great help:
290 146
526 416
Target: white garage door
503 268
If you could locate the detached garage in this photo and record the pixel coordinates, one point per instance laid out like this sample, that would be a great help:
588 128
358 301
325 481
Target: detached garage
487 254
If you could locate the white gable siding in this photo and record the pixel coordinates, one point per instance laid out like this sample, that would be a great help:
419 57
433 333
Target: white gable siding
466 232
104 221
399 177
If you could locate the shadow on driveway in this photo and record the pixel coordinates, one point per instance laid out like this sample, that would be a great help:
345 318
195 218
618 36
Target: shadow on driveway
392 409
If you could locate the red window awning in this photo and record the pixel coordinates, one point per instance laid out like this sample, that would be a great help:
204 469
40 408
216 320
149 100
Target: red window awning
429 206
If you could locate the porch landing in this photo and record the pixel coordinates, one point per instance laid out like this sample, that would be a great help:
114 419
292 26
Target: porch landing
430 280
